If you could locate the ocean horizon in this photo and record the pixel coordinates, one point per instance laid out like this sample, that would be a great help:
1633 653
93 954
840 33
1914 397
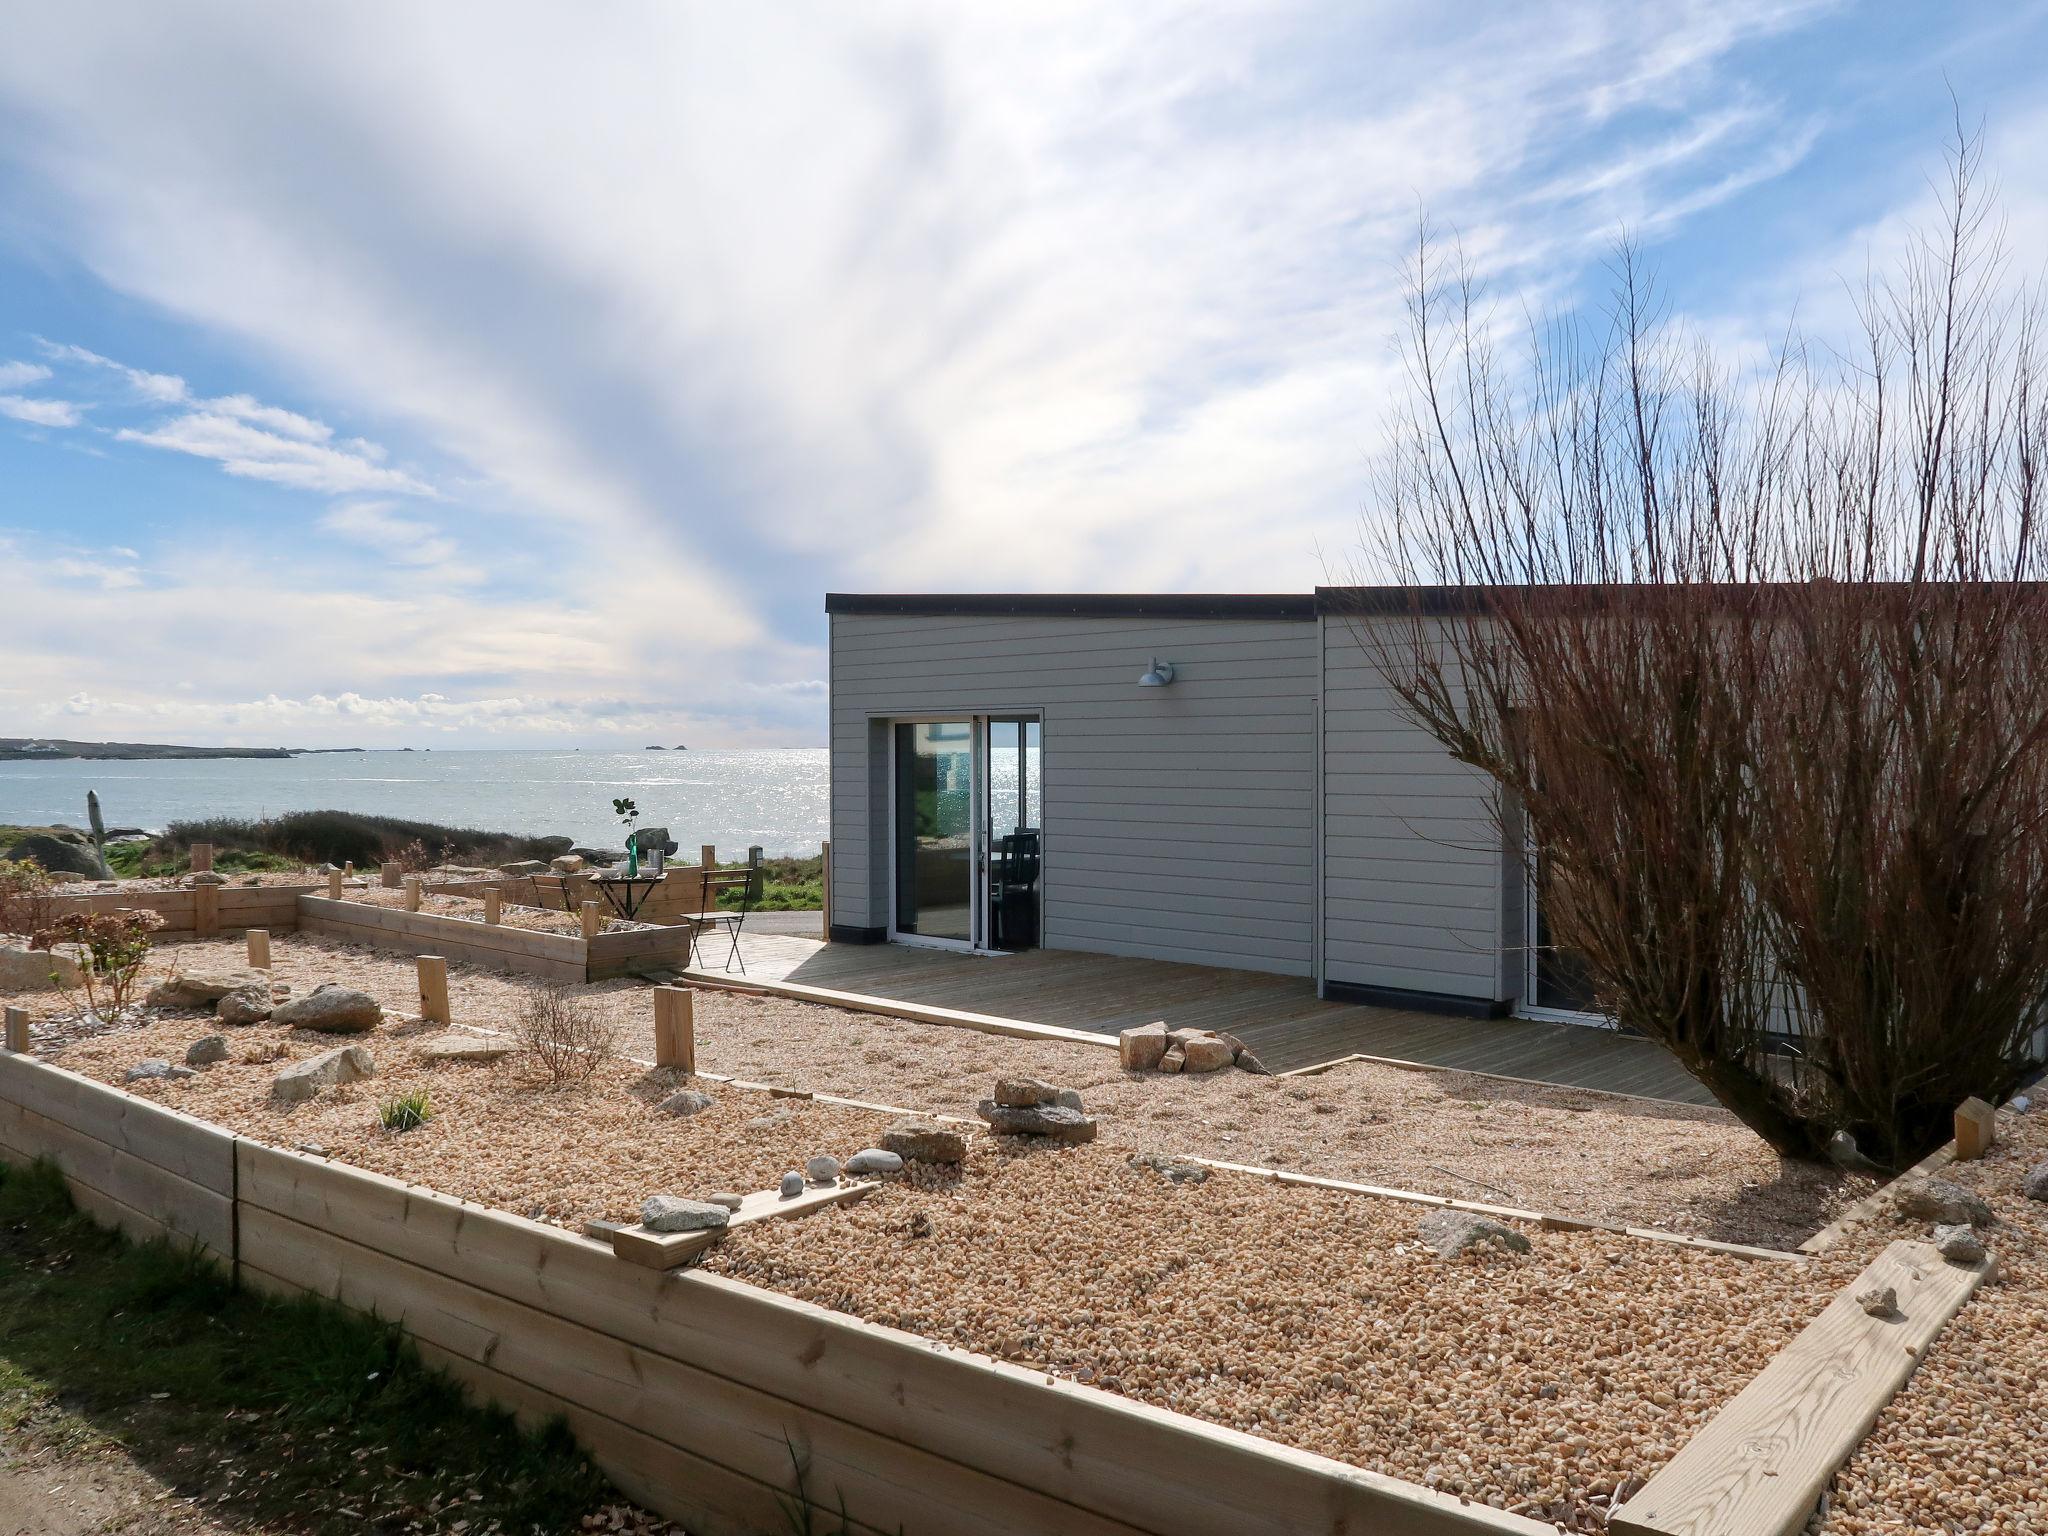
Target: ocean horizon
773 797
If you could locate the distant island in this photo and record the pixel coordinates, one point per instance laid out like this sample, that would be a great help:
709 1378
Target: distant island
15 749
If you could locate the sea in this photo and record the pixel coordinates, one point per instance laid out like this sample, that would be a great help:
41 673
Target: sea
773 798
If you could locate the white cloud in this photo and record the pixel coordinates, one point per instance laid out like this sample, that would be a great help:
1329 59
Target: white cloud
40 413
163 388
103 574
282 458
14 375
403 540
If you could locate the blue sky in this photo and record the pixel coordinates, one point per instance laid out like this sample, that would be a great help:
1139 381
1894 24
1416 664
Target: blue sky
506 374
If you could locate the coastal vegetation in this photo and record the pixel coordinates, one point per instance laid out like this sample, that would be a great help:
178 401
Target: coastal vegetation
336 837
787 885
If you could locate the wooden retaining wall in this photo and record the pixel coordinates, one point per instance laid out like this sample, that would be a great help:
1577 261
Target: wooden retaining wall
690 1389
681 894
557 956
199 910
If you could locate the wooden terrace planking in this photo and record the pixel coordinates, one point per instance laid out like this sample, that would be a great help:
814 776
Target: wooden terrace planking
1279 1017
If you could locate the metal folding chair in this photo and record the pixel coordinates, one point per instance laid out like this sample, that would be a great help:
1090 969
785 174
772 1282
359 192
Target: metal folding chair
740 880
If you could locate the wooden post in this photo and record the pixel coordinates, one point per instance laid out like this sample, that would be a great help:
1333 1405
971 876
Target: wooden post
334 884
593 920
202 857
675 1029
825 917
388 873
434 989
259 948
348 869
17 1031
708 857
492 898
205 911
1976 1129
412 893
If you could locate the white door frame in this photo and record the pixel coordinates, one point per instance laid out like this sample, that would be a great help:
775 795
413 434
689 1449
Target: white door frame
1528 1008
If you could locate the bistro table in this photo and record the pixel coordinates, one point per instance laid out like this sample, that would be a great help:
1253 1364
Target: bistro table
625 894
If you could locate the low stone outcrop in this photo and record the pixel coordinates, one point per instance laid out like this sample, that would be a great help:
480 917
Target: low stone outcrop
1056 1121
671 1213
1451 1233
304 1079
1948 1204
245 1005
1155 1048
332 1010
917 1140
478 1050
38 970
202 989
685 1102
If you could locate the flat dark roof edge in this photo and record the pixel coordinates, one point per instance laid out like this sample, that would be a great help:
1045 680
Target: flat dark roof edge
1077 605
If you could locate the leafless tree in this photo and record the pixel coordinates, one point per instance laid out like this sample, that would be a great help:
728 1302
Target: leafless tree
1762 662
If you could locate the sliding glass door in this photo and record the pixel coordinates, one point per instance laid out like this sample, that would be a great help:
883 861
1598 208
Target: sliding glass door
967 854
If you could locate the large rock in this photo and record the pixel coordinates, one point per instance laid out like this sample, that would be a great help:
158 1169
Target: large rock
37 970
1053 1120
332 1010
245 1005
304 1079
1023 1092
672 1213
68 853
1205 1053
202 989
1938 1200
921 1141
874 1161
1139 1050
1450 1233
567 864
476 1049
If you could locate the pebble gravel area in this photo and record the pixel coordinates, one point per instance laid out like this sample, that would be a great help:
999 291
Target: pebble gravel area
1965 1446
471 909
298 877
1543 1383
1668 1166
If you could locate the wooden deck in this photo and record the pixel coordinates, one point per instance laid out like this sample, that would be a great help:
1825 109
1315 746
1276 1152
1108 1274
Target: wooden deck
1279 1017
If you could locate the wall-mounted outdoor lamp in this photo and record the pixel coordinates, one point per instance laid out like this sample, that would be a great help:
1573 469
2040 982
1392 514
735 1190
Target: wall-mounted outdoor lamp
1159 676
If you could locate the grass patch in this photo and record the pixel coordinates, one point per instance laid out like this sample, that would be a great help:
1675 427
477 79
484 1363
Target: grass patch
340 837
139 860
280 1415
408 1112
789 885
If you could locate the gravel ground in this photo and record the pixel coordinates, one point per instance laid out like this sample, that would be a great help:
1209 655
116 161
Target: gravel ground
184 882
1674 1167
1965 1446
471 909
1541 1383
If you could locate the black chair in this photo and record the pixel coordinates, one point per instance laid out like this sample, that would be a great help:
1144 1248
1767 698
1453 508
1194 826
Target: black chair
1013 891
714 916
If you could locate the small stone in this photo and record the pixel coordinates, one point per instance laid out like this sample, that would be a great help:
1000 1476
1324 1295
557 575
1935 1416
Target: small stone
1246 1061
1024 1092
245 1005
1169 1168
209 877
312 1147
874 1160
455 1048
1940 1201
1139 1050
1878 1300
332 1010
1069 1098
822 1169
1174 1059
1450 1233
207 1050
151 1070
669 1213
917 1140
685 1102
728 1200
1053 1120
304 1079
1958 1243
792 1184
2036 1184
1205 1054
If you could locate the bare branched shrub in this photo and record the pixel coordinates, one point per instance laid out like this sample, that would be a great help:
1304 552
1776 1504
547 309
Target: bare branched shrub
25 894
412 859
563 1036
115 944
1765 665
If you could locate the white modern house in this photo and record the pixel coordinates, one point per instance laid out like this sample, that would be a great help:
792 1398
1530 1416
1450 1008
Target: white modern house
1221 780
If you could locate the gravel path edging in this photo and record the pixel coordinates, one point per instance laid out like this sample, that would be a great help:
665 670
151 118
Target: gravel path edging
917 1013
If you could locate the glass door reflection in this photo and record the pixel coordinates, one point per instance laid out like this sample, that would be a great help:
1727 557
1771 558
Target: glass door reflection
1013 839
935 842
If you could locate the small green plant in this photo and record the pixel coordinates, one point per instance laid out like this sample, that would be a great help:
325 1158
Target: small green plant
407 1112
627 812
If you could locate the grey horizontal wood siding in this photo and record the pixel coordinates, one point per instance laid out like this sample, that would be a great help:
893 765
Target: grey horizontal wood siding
1412 875
1179 821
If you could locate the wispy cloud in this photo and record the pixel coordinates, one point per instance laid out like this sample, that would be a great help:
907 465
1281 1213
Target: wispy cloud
377 525
164 388
307 463
40 413
15 374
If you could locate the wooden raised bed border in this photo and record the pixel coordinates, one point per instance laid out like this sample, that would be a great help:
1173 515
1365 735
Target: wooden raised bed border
201 911
557 956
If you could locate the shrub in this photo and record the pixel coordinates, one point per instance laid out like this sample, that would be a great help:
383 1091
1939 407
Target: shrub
407 1112
563 1037
342 837
25 889
116 944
